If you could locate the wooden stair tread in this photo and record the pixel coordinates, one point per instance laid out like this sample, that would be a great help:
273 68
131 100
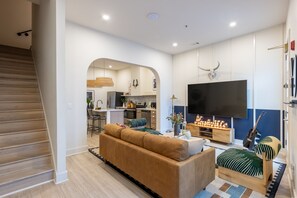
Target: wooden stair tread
6 70
13 50
11 59
24 131
14 159
12 155
25 144
18 67
25 173
24 120
17 76
15 56
14 140
21 110
33 97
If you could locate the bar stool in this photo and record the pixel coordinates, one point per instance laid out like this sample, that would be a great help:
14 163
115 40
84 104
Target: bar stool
101 118
92 118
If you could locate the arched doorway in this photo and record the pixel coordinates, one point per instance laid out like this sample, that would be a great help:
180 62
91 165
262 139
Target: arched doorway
134 92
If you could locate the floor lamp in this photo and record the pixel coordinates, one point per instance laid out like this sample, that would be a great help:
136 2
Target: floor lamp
173 98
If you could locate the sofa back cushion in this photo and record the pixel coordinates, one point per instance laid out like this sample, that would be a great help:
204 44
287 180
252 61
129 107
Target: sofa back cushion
113 130
170 147
133 137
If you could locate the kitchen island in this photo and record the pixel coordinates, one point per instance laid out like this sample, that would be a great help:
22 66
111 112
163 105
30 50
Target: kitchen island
112 115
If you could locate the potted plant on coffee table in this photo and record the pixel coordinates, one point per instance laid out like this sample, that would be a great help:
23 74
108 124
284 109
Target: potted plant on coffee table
176 120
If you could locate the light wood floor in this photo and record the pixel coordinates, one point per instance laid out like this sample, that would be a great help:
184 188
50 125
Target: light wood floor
90 177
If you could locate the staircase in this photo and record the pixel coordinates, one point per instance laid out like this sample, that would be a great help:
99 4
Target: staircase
25 155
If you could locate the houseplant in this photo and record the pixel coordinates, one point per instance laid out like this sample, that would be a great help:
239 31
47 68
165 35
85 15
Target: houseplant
176 120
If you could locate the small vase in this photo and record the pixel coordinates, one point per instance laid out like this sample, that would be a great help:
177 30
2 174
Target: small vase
176 129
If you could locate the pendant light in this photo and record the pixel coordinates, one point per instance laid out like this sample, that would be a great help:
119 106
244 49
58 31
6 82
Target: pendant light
104 81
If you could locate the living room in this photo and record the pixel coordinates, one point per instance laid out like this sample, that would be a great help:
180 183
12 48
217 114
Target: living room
242 54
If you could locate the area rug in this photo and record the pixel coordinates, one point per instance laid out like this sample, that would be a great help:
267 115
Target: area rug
219 187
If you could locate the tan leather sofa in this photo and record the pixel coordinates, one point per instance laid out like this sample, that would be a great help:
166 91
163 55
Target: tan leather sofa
160 163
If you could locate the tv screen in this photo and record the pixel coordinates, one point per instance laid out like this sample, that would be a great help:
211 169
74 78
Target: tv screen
227 99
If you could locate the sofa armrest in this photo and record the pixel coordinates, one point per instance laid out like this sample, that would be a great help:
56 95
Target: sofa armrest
196 172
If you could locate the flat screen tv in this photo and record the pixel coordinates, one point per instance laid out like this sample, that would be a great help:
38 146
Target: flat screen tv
226 99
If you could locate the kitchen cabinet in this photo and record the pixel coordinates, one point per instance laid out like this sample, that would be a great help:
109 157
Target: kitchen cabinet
150 116
153 119
138 113
142 81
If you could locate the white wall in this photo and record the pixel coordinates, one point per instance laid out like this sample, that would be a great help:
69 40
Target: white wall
291 29
15 16
245 57
85 45
48 23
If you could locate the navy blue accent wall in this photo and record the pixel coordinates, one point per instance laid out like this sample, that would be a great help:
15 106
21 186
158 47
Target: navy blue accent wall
179 109
242 126
190 117
270 123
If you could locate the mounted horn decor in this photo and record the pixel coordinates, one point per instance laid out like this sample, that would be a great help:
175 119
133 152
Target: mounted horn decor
212 74
285 46
135 83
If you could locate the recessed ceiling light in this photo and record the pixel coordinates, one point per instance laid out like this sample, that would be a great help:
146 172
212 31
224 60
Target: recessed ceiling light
110 66
232 24
152 16
105 17
174 44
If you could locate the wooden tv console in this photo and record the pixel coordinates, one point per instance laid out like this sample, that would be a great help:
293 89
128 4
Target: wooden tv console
225 135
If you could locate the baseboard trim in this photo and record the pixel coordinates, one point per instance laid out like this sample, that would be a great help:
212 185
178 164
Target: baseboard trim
61 177
292 189
238 142
77 150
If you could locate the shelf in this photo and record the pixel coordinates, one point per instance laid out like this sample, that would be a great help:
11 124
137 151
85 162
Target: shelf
139 95
224 135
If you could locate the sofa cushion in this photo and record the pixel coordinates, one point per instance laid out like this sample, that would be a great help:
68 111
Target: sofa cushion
195 144
136 123
242 161
113 130
133 137
170 147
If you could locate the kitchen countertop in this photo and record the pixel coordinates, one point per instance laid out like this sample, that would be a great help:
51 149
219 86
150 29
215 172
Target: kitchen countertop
107 110
148 109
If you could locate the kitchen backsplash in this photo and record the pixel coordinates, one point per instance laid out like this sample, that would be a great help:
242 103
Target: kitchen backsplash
141 99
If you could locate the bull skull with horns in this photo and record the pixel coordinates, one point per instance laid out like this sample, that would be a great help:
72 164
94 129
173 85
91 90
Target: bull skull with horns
212 74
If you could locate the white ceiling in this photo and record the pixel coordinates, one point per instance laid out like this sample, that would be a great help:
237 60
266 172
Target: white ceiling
207 20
